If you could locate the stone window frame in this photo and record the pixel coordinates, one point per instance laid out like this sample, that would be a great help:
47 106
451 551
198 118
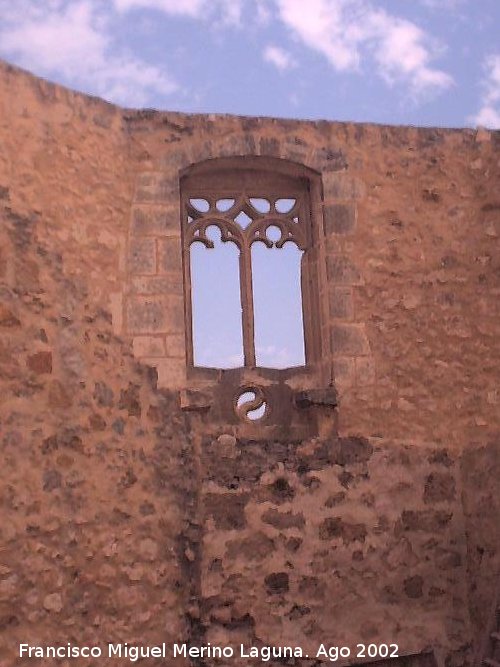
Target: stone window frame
153 273
259 177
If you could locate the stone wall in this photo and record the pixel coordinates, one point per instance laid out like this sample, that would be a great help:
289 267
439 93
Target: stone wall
411 276
481 497
410 282
344 539
94 511
126 517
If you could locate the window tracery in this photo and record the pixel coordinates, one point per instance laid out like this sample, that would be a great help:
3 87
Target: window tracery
249 205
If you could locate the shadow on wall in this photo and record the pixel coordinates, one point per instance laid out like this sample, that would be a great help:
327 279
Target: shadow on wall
481 499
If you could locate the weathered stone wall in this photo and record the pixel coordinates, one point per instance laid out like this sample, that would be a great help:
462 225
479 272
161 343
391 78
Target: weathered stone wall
344 539
94 512
411 276
481 497
125 518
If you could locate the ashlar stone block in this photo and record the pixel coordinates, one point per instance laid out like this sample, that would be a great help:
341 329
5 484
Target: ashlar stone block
176 345
343 371
270 146
155 187
149 346
365 371
329 160
157 285
169 255
142 256
147 314
151 220
234 145
341 303
171 372
175 315
337 185
339 218
341 271
349 340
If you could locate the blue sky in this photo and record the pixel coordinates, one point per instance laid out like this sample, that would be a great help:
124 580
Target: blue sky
421 62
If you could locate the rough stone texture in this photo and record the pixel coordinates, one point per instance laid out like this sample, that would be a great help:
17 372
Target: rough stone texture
156 187
147 315
481 491
142 258
342 186
342 271
93 510
40 362
153 221
349 339
124 518
300 555
339 219
169 255
341 306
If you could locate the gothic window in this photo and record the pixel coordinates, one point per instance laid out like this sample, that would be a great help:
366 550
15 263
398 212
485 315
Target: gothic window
249 264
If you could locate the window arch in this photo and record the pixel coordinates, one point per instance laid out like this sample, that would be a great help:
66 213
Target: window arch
253 203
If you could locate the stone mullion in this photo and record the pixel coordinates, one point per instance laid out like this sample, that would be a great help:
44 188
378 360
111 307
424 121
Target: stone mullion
188 301
247 312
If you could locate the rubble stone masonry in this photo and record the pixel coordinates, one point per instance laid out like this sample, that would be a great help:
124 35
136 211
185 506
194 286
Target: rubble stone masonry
128 512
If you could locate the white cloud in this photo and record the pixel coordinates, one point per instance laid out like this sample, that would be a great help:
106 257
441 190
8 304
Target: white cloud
263 11
181 7
402 53
278 57
489 113
277 357
75 41
443 5
349 32
227 11
321 28
488 117
230 10
59 39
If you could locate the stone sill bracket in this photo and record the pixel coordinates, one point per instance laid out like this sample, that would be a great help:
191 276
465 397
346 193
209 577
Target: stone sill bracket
308 413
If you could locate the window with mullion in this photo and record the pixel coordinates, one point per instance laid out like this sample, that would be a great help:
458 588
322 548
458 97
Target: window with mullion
266 221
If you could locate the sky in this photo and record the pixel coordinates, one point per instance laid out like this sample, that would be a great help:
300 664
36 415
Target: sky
419 62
